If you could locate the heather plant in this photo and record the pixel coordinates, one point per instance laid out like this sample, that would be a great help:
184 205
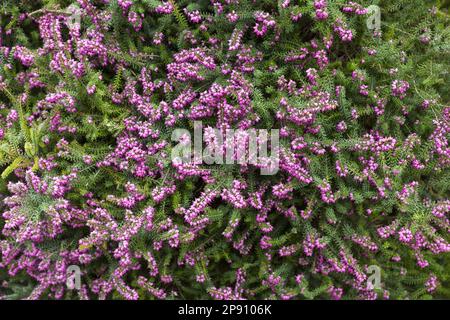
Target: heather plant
92 92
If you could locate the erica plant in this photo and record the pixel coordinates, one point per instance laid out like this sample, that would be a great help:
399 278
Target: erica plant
94 93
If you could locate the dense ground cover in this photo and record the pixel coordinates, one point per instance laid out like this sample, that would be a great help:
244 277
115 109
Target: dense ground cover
91 92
